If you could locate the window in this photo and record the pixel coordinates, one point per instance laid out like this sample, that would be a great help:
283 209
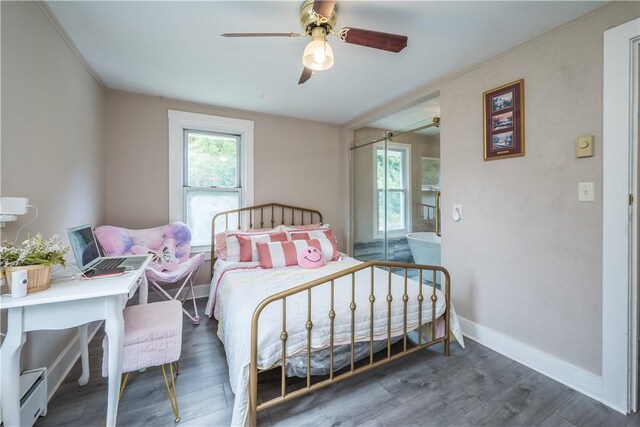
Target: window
210 170
430 186
398 194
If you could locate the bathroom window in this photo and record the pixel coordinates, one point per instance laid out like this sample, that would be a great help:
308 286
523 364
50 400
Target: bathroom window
430 186
398 190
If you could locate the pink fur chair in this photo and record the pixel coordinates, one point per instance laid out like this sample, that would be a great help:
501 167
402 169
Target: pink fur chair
170 247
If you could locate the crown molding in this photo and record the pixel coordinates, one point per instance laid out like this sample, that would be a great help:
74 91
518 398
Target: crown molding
46 10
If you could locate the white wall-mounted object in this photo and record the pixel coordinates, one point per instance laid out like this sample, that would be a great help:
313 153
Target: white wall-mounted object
585 191
13 205
456 215
584 146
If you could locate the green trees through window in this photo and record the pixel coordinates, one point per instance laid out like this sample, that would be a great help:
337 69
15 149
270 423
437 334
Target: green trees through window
396 187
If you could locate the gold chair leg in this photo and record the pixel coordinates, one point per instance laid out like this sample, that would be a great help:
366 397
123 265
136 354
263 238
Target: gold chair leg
123 383
173 396
176 366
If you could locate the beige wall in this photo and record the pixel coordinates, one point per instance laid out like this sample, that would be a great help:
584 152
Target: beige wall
363 178
52 140
297 162
526 260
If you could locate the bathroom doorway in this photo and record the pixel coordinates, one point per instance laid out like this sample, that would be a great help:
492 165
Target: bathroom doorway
395 182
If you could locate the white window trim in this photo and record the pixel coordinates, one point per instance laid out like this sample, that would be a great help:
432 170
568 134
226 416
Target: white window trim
408 219
181 120
619 234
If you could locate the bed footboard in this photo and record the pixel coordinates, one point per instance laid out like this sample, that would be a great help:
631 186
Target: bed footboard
424 272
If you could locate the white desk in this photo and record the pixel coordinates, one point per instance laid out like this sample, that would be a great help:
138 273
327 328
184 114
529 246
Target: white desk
66 305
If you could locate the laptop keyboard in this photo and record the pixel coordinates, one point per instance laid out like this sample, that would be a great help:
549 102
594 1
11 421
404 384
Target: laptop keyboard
109 263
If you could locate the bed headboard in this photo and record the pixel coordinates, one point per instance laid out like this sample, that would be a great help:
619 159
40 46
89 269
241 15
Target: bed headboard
260 216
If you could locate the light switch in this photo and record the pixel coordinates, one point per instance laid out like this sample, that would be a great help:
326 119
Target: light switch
584 146
585 191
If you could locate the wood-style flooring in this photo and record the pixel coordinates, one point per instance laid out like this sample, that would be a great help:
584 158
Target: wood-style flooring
472 387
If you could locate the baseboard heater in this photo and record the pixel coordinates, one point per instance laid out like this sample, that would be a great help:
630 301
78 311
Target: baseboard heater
33 396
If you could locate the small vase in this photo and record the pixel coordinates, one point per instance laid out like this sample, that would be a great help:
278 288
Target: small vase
39 277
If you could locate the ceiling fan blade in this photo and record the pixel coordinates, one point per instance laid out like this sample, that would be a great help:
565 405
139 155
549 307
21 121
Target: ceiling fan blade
324 7
261 35
306 75
375 39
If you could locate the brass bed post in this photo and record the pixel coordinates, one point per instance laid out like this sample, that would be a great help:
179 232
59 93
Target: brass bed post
353 315
283 338
447 313
332 316
389 300
405 299
434 298
372 299
309 326
272 219
420 299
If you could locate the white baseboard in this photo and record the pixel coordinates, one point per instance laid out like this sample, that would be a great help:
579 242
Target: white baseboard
566 373
201 291
59 369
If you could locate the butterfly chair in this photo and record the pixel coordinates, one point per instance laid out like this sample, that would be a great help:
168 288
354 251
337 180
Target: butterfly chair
169 247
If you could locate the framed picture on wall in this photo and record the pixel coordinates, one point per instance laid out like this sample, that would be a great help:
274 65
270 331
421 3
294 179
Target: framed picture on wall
504 121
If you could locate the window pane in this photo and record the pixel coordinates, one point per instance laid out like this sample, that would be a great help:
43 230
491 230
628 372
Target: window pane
430 174
212 160
395 210
395 172
202 206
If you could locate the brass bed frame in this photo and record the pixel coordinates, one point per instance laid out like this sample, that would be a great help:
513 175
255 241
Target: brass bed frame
278 212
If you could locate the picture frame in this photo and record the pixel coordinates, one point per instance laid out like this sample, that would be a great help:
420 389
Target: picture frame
503 124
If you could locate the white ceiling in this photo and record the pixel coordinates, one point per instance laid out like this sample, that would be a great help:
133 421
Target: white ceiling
174 49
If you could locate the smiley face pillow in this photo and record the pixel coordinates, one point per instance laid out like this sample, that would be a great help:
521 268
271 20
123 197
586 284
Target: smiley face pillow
310 257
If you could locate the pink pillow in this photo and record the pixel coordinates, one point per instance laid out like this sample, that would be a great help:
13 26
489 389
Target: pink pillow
308 235
248 250
310 258
221 238
164 259
282 254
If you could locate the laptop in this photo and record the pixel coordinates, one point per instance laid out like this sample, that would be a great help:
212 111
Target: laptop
90 262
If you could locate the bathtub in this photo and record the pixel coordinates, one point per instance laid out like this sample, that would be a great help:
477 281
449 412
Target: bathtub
425 248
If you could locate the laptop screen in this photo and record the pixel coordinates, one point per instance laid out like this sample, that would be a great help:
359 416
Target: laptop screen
84 245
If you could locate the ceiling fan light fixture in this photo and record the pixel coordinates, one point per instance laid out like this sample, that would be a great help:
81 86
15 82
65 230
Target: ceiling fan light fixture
318 55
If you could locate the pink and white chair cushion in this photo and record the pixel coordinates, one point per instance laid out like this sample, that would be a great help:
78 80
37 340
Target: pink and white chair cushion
152 337
170 247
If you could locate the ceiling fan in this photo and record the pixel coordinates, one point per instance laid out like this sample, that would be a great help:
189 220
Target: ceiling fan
318 18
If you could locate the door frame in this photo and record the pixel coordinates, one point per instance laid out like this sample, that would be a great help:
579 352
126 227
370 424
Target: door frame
620 234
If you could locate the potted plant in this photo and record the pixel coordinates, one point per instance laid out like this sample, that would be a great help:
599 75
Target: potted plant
37 256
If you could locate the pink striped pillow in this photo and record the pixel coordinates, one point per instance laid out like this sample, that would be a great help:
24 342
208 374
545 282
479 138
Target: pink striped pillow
315 234
283 254
233 245
248 249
